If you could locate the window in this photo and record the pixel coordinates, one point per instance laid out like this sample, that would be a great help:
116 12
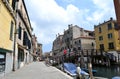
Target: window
11 30
79 48
109 35
102 46
100 38
109 26
67 39
111 45
79 41
75 42
29 44
19 32
92 44
116 26
13 4
68 32
100 30
2 62
20 55
25 39
91 34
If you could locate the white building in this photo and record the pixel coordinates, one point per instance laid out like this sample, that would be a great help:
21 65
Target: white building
74 37
23 45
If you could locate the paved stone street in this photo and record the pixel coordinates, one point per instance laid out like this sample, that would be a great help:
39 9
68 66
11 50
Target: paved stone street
37 70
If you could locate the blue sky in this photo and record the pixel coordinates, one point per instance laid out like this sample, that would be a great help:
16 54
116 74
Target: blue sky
50 17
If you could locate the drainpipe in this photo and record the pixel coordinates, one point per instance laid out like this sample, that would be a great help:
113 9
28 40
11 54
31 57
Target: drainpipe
14 49
15 32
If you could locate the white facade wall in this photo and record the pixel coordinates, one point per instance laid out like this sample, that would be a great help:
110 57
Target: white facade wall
25 25
87 43
9 63
76 32
72 34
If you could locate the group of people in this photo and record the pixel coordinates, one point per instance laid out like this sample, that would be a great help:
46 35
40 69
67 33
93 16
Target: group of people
48 61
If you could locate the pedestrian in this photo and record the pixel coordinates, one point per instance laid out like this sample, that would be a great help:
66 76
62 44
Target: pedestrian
47 61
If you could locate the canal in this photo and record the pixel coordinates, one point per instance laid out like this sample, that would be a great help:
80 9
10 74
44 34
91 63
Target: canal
107 72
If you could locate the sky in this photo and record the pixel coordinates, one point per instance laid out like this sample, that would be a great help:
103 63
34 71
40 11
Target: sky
50 17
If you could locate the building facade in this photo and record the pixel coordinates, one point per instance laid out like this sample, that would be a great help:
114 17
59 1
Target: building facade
117 10
34 44
7 27
39 51
57 44
75 33
107 38
85 43
74 38
23 39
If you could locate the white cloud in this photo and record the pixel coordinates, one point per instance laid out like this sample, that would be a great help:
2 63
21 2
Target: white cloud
103 4
49 19
104 10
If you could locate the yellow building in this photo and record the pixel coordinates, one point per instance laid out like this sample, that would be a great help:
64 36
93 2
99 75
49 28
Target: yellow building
106 36
7 25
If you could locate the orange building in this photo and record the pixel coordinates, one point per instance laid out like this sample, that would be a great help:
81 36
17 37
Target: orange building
117 11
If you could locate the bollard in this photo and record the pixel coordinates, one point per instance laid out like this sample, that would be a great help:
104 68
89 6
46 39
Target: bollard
90 70
78 72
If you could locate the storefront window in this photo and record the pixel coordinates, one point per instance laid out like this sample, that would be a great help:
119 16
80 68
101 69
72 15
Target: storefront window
2 62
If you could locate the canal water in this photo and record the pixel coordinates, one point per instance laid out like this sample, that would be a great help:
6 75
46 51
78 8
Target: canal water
107 72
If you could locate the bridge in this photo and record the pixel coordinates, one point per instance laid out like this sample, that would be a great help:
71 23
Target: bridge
96 57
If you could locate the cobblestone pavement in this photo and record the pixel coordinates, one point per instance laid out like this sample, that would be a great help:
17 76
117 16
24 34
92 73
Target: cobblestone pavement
37 70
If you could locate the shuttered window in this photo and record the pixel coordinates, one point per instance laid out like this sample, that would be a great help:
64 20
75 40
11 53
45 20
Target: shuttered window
13 4
109 26
19 32
11 30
